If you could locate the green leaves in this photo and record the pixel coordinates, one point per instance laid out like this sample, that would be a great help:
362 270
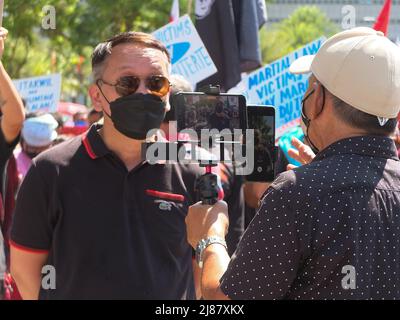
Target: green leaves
306 24
80 25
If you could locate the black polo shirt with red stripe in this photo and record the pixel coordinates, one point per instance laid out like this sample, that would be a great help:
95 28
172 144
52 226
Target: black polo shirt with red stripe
109 233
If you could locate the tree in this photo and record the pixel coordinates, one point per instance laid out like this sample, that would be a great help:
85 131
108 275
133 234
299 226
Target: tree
305 24
32 50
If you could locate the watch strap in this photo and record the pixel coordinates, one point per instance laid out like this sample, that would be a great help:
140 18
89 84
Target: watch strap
203 244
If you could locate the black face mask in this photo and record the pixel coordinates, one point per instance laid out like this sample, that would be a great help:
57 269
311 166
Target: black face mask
306 121
135 115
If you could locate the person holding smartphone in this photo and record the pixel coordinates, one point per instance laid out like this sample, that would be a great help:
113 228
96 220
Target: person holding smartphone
329 229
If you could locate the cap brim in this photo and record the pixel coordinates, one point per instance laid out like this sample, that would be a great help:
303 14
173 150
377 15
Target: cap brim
302 65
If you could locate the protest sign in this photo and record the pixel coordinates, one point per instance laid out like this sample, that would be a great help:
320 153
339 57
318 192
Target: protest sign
188 53
274 85
40 93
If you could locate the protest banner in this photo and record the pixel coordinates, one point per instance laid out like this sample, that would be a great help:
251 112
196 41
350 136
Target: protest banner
40 93
274 85
189 56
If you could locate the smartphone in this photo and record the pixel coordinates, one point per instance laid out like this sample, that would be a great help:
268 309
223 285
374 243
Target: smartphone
197 111
261 118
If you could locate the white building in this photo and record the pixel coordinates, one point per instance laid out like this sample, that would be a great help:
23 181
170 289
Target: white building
366 12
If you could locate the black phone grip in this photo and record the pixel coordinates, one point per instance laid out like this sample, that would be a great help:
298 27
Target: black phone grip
209 189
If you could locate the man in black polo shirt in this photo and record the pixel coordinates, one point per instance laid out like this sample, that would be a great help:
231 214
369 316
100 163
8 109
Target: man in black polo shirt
110 224
329 229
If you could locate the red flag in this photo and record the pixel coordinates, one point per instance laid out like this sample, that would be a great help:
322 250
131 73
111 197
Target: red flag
79 64
174 15
382 22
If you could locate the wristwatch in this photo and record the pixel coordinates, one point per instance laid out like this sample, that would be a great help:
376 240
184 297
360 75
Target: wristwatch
203 244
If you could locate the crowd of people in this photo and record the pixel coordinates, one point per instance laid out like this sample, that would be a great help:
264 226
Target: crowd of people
114 226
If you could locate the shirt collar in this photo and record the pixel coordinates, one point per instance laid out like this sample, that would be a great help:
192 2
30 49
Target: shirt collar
93 143
96 148
373 146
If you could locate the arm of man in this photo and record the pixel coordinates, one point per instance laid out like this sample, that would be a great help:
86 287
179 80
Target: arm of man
10 102
202 222
197 279
215 264
31 233
26 269
269 251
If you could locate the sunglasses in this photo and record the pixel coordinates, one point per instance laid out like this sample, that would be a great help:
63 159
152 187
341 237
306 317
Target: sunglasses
125 86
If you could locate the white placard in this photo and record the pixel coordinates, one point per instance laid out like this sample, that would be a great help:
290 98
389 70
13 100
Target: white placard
40 93
189 56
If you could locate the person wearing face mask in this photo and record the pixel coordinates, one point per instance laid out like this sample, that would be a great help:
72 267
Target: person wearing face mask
329 229
111 224
38 135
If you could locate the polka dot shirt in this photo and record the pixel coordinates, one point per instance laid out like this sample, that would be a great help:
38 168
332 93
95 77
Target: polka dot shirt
327 230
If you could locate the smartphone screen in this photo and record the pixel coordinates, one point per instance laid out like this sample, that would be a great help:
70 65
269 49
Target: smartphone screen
199 111
262 120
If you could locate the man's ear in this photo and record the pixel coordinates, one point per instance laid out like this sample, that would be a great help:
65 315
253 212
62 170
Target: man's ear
317 100
95 96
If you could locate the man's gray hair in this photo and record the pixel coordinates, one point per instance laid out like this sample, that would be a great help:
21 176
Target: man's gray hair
180 83
361 120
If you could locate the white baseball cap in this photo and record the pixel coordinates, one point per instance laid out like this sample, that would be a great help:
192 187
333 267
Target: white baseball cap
40 131
359 66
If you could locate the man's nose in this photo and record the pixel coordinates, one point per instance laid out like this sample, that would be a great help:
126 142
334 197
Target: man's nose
142 88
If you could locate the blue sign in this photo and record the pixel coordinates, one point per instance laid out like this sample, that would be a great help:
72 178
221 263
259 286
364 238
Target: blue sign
274 85
178 50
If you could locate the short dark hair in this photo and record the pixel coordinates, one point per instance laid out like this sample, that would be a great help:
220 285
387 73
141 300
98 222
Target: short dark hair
362 120
103 49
